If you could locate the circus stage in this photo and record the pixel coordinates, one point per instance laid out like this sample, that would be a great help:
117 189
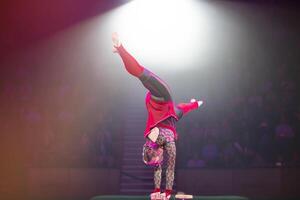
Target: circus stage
121 197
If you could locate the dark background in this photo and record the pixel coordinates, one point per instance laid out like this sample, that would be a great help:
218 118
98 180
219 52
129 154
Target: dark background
53 106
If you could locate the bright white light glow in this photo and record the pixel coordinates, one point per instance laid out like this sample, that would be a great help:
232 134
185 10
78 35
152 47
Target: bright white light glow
162 32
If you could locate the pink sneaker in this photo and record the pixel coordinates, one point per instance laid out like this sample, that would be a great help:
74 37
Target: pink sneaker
155 196
164 196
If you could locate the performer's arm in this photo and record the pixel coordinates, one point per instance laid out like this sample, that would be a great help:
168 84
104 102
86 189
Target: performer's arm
184 108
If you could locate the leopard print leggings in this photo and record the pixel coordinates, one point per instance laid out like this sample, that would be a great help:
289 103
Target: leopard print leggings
166 140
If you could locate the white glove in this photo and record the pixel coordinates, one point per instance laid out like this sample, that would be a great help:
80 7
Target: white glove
199 102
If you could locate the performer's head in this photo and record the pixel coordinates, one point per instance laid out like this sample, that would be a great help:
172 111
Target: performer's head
152 154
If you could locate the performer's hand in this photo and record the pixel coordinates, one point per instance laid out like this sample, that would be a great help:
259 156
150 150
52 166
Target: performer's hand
116 41
199 102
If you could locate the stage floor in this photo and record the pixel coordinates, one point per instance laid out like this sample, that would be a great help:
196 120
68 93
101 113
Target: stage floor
122 197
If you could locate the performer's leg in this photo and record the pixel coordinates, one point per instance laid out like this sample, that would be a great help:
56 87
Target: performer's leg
153 83
157 176
131 64
157 87
171 152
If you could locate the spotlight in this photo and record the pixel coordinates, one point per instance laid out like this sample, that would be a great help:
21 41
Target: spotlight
163 30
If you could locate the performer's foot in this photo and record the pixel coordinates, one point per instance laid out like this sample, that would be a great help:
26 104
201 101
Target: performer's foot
199 102
116 42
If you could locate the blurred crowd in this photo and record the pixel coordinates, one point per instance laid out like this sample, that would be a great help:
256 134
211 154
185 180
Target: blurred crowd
69 123
259 127
57 121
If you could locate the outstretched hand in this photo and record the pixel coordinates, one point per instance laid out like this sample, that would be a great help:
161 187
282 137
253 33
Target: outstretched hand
116 41
199 102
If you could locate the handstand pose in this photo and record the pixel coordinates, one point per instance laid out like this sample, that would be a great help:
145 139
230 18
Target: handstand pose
160 132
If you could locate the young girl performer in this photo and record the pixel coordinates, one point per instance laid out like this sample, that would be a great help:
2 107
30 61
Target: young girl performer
160 132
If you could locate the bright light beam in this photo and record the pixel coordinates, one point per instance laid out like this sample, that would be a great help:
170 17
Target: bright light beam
162 31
